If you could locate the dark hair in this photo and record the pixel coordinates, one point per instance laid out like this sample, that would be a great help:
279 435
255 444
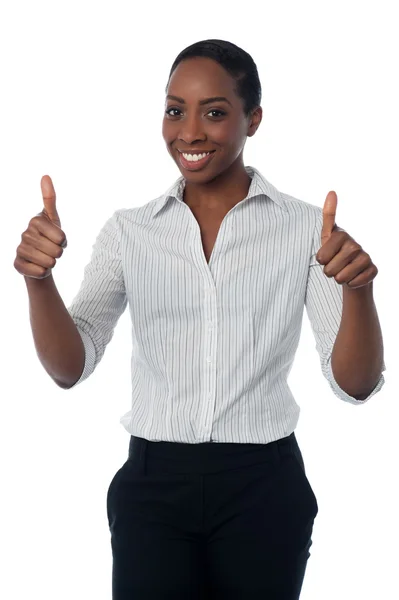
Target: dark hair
237 63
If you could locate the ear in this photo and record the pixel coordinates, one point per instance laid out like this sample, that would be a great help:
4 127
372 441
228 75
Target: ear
254 121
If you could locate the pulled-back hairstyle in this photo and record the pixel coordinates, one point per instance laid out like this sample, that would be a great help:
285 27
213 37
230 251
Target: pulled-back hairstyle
238 63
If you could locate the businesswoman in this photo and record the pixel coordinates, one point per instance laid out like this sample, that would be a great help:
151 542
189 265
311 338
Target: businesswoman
213 501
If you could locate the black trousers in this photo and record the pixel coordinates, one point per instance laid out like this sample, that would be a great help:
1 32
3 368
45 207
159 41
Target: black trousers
210 521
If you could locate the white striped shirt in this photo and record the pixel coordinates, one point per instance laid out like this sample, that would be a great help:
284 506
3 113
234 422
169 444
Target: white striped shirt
213 344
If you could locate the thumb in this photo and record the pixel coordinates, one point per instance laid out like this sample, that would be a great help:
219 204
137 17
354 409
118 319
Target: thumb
49 199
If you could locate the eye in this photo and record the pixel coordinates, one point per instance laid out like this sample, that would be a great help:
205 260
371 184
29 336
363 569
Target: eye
215 110
167 111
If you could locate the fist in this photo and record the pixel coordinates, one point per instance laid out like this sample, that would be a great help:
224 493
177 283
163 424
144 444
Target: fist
43 241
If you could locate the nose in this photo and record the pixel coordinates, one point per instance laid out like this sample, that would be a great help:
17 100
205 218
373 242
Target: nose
191 130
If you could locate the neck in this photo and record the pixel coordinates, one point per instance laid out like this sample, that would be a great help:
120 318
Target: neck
223 192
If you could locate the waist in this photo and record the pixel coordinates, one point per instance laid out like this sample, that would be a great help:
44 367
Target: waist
208 457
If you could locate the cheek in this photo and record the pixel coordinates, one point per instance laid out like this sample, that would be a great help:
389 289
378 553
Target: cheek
233 134
167 133
232 146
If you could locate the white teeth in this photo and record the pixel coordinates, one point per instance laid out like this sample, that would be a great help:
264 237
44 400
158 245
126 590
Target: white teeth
195 157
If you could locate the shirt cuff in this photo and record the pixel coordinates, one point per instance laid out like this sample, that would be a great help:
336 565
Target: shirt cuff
338 391
90 355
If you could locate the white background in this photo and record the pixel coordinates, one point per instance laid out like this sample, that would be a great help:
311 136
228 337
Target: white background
82 100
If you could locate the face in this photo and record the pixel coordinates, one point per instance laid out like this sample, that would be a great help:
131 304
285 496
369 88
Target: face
204 115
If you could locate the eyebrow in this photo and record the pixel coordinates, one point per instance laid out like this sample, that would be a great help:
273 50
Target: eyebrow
202 102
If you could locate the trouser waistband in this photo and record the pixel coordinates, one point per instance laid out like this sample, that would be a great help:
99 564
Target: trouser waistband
208 457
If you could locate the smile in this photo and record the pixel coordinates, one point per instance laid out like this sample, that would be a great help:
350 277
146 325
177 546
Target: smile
194 162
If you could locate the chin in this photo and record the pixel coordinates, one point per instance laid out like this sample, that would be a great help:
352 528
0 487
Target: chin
203 176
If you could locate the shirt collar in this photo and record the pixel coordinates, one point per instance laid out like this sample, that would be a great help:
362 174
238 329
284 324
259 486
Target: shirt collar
259 186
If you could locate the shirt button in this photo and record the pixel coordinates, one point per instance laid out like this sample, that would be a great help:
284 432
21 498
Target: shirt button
209 359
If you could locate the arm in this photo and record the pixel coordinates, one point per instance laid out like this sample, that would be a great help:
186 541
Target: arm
70 342
324 303
359 342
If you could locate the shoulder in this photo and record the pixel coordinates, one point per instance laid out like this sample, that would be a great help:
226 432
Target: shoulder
308 214
308 220
301 207
138 214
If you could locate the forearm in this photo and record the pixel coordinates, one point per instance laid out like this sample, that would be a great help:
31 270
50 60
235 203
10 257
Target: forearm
57 340
357 356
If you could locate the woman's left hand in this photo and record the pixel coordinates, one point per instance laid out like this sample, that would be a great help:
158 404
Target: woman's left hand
343 257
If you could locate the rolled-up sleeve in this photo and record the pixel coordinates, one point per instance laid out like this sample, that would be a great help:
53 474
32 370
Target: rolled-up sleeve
324 303
101 299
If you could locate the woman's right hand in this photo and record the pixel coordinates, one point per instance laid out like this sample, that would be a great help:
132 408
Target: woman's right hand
43 241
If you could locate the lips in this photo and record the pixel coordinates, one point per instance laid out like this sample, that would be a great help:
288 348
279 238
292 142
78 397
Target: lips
192 165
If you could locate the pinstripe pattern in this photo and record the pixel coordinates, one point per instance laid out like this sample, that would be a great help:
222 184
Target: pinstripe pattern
212 345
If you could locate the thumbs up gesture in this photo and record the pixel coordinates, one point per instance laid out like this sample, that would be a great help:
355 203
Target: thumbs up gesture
344 259
43 241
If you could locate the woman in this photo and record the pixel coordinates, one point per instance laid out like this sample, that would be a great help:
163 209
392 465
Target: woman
213 501
191 518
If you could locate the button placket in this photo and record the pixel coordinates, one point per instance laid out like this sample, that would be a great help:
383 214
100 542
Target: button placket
210 310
